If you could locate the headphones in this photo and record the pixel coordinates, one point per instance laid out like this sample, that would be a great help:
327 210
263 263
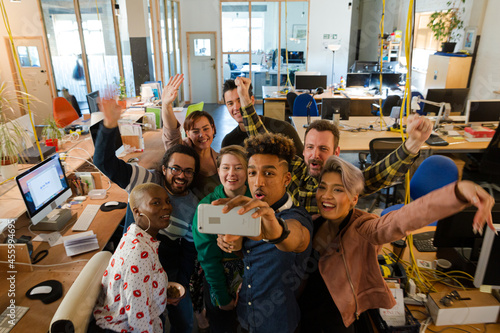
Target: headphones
149 226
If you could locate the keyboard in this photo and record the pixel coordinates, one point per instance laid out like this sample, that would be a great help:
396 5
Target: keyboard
436 140
86 218
423 242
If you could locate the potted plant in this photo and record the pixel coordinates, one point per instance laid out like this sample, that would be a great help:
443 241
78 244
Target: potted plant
446 25
51 133
122 94
13 136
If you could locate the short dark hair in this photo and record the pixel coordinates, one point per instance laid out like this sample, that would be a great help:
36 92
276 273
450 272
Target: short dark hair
194 116
271 144
323 126
229 85
181 149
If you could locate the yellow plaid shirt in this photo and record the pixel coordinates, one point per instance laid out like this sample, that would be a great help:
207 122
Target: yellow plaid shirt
303 187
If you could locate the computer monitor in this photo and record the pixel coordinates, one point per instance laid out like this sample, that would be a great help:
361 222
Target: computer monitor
358 80
94 129
92 101
310 81
455 97
294 57
480 112
456 240
43 188
330 106
364 67
389 80
487 272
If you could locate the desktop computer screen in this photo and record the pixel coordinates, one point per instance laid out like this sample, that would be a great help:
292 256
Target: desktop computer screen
358 80
92 101
456 97
294 57
329 106
310 81
389 80
43 188
486 111
487 272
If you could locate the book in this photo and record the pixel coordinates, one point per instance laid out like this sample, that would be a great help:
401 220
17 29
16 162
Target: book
479 132
480 308
80 243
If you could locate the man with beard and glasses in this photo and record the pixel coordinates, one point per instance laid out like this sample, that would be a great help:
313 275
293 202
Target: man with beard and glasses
175 173
322 141
274 260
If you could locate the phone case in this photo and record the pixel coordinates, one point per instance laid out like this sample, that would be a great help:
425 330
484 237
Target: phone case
211 220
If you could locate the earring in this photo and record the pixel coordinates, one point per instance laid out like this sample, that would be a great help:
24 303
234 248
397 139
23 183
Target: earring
149 225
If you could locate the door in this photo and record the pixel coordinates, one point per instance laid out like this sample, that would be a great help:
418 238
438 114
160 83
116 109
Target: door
202 67
33 62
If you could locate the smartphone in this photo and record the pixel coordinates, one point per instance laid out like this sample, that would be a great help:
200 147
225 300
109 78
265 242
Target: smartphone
211 220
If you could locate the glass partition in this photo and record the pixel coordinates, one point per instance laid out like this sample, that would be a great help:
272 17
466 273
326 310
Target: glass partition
128 70
65 47
235 27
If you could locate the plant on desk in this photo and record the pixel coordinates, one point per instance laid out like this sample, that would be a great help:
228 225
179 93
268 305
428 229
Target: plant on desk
52 133
122 93
446 24
13 136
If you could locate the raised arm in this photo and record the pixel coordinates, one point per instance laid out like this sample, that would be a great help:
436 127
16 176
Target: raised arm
394 166
171 128
104 155
251 120
436 205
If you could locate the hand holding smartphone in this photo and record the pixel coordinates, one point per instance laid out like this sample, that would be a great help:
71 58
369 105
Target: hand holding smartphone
211 220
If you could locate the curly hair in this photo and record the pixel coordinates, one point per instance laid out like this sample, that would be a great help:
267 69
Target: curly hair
324 125
271 144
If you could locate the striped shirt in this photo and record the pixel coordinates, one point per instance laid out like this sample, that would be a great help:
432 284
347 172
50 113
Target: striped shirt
303 187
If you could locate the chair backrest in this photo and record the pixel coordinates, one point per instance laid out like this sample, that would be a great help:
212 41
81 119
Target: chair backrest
75 310
290 98
300 106
64 113
381 147
389 103
195 107
434 172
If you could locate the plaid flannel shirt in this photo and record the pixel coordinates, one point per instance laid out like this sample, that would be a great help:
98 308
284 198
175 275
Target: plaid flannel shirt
303 187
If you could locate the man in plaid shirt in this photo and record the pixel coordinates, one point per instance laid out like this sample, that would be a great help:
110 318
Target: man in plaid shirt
322 140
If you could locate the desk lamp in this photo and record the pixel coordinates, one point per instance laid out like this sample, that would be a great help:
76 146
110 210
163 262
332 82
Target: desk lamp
442 106
317 91
333 48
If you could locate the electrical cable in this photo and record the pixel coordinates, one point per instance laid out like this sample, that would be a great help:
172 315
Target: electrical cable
16 57
381 63
53 265
83 159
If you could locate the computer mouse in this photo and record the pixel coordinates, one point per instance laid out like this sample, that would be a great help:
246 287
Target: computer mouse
111 203
41 290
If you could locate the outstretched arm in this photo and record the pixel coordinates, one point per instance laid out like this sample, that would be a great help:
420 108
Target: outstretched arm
251 120
171 132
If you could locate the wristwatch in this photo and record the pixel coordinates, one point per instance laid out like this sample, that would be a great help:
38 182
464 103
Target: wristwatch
284 233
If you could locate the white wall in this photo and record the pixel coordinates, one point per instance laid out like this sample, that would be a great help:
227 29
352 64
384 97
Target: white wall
486 75
25 20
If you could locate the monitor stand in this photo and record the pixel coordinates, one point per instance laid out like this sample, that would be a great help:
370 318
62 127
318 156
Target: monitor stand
55 221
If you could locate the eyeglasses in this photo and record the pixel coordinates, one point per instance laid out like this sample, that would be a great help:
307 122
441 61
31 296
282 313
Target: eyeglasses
177 171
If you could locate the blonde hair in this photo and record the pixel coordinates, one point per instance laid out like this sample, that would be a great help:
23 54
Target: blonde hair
137 194
234 150
352 177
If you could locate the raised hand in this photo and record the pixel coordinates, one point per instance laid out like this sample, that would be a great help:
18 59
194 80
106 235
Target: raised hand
243 84
171 89
111 111
478 197
419 129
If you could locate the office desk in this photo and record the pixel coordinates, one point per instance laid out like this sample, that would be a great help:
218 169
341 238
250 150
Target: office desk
360 105
430 256
354 142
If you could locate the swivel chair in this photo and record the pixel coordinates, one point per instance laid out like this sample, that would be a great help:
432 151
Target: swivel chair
64 113
300 106
290 98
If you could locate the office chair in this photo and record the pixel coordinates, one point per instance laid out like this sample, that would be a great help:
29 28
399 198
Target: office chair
421 104
64 113
195 107
379 149
75 311
290 98
387 105
300 104
433 173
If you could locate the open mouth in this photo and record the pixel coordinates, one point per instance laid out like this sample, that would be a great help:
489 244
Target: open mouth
179 182
259 195
328 206
165 217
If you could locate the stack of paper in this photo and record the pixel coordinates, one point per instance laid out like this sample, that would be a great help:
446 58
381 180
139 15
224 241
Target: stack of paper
80 243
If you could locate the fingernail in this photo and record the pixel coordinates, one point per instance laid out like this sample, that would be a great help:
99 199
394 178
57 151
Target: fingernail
480 231
475 200
474 230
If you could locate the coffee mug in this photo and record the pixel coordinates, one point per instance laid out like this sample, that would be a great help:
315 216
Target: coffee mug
441 265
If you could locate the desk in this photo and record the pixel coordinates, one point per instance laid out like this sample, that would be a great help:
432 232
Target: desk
360 105
430 256
356 142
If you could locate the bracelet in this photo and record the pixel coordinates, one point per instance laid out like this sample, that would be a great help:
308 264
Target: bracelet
459 195
284 233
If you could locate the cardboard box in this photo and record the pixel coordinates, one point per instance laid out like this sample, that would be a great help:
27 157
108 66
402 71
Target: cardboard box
479 132
481 308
